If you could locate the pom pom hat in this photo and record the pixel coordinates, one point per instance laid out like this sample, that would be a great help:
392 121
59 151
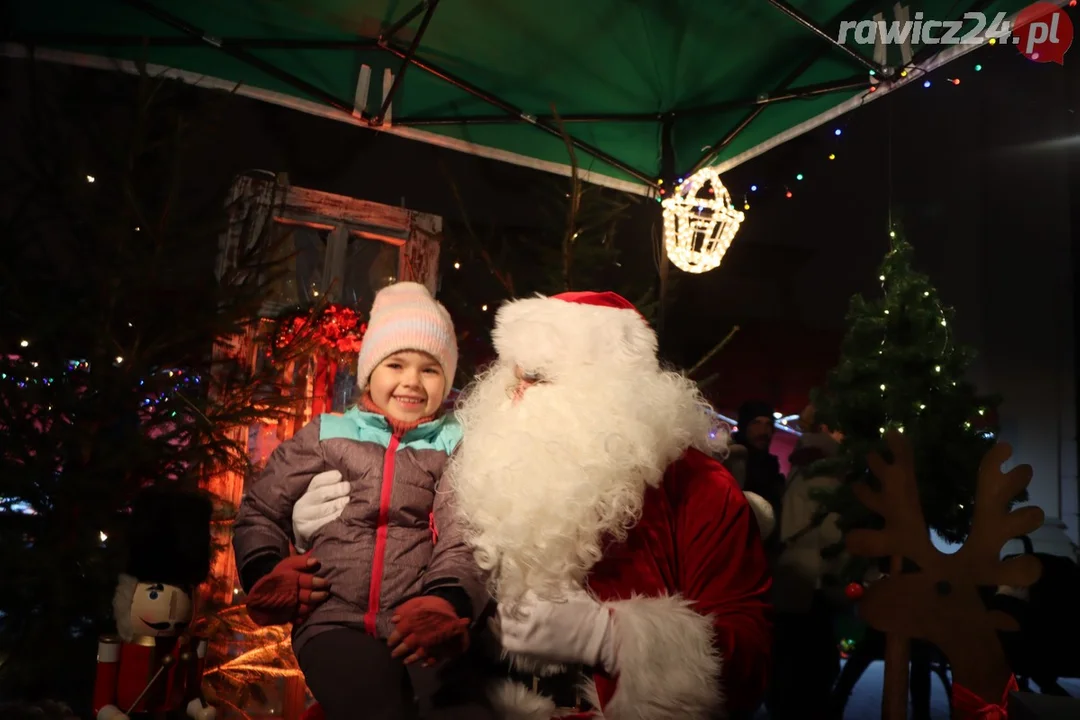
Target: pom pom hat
404 316
578 329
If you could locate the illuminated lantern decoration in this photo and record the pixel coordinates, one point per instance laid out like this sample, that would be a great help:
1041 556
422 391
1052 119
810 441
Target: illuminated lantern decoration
699 222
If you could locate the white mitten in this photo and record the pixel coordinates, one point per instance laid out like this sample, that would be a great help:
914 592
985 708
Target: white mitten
111 712
322 502
575 630
198 710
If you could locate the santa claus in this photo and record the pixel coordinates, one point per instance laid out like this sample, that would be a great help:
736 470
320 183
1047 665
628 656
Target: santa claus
613 540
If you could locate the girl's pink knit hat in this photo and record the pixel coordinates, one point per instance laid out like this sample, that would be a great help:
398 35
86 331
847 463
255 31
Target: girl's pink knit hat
404 316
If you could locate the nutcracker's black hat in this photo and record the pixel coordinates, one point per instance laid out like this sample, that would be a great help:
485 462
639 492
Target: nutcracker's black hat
169 537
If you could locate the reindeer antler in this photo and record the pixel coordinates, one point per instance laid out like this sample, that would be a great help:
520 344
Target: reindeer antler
993 524
941 602
898 503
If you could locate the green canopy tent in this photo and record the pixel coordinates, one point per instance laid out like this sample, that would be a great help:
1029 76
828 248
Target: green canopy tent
644 89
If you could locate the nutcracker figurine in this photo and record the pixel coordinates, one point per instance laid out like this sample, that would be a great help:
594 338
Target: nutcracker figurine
152 668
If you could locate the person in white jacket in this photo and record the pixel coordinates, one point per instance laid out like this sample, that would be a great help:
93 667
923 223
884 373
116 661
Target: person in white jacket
806 656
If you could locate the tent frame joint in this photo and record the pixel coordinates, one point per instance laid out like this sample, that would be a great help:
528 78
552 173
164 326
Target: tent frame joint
388 33
541 123
428 8
201 37
804 20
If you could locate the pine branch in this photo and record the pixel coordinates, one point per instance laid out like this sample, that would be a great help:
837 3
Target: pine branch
716 348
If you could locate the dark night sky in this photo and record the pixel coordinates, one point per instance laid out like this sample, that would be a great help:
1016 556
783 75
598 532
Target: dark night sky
794 264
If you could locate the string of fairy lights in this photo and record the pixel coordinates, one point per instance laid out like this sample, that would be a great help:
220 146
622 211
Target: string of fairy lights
788 186
24 372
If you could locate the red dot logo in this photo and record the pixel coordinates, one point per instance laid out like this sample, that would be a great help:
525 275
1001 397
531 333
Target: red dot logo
1043 33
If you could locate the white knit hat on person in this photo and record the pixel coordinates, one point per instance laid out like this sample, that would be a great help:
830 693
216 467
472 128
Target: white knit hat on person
404 316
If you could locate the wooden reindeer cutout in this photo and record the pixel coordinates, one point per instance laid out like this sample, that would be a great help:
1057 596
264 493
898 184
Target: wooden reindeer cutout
940 603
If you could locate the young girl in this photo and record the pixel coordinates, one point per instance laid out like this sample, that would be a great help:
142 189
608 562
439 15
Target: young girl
389 586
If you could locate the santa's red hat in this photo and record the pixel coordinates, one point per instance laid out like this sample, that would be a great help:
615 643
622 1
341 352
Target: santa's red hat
574 330
600 299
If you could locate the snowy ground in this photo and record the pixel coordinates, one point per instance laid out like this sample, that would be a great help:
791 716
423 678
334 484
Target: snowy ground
865 703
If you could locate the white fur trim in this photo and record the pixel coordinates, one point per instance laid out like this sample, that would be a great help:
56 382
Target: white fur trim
667 666
573 335
763 511
592 697
490 646
122 599
513 701
532 666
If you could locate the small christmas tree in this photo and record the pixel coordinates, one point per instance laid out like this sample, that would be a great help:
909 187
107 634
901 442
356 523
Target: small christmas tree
901 369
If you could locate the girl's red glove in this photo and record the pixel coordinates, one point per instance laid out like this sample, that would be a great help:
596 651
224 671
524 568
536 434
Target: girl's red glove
429 629
288 593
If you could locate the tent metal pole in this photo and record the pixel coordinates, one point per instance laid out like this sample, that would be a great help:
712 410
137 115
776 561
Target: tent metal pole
667 149
421 120
809 24
187 41
667 173
509 109
857 9
409 55
244 56
715 150
807 91
407 18
927 51
719 145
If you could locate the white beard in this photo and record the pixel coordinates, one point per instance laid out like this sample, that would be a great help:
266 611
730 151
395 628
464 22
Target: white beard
543 482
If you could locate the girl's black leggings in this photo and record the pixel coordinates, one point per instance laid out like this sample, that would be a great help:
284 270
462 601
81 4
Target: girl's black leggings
352 675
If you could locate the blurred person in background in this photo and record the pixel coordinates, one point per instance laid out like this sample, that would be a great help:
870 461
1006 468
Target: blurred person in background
762 474
805 652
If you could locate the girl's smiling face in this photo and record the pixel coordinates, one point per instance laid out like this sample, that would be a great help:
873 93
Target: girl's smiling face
408 385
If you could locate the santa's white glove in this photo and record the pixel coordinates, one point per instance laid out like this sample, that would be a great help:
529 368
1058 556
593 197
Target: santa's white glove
110 712
199 710
326 496
572 631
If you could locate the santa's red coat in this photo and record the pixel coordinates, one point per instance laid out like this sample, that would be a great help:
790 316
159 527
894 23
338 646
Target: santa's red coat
687 591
